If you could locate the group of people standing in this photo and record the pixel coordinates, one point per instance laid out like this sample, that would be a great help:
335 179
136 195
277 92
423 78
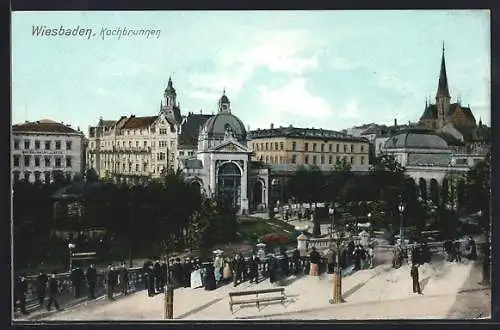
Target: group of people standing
116 278
44 284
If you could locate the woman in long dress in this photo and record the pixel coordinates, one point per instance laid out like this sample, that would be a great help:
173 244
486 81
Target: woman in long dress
228 272
218 269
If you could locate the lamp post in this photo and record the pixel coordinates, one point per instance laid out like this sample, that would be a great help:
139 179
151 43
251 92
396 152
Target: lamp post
331 211
401 208
71 246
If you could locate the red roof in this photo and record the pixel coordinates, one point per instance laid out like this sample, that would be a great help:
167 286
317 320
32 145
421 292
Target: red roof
44 126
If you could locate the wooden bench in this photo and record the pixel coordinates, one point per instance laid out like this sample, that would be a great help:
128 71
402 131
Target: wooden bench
260 296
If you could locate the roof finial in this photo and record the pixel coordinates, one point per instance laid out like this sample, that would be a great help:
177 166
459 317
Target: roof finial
443 46
426 103
224 91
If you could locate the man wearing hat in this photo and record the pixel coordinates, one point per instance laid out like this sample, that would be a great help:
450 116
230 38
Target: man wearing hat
21 288
53 291
218 268
41 286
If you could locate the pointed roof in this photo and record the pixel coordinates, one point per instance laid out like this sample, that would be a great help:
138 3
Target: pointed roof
170 88
443 90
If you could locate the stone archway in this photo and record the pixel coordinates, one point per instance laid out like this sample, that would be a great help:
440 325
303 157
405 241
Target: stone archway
229 184
422 185
434 191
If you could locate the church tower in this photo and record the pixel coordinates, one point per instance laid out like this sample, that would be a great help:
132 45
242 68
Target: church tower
224 104
442 95
170 96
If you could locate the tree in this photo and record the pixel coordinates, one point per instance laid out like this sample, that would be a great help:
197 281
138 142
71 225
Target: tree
91 175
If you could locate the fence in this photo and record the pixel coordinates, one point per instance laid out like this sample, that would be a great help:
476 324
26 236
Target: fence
66 294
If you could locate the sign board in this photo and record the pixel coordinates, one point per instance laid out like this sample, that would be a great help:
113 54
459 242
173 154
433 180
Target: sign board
42 152
83 255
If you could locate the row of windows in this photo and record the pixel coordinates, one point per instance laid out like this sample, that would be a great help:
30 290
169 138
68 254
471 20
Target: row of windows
37 144
37 174
280 146
37 161
314 160
137 144
187 153
123 167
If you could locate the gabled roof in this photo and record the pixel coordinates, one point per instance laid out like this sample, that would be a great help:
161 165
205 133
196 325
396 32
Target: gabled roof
44 126
139 122
190 129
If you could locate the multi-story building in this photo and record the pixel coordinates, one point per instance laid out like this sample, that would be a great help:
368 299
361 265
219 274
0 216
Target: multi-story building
43 148
135 147
309 146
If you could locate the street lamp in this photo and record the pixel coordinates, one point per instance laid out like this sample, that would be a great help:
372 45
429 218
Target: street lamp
331 211
71 246
401 208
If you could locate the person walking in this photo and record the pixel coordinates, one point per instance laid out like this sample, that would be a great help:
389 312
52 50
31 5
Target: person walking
218 269
458 251
371 256
41 287
163 275
296 261
414 277
273 268
91 275
123 275
237 270
157 275
21 289
315 259
53 292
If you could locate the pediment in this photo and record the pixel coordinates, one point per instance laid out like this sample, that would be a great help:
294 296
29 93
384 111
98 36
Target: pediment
231 147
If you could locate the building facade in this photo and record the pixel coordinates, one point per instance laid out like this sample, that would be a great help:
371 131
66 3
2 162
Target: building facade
134 148
308 146
42 149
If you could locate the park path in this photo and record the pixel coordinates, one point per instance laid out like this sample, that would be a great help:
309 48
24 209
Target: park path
376 293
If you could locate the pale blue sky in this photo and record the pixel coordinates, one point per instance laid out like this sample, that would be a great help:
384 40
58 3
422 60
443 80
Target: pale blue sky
329 69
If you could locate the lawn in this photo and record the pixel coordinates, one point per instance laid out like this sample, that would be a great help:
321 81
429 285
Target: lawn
250 229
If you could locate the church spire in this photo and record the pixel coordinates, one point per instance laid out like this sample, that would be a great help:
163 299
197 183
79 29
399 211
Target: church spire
443 90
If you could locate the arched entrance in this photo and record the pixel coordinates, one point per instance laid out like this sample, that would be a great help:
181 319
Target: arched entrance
422 185
434 192
196 184
229 184
258 189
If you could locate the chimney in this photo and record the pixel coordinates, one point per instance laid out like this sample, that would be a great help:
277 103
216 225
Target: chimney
395 122
272 125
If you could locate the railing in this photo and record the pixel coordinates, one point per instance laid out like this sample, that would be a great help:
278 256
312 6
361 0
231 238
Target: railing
66 295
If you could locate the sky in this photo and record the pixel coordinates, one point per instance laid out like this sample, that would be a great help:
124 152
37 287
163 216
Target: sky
321 69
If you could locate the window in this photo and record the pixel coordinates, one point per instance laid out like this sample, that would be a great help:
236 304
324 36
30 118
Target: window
58 145
68 145
137 144
26 144
16 160
161 156
322 148
362 160
294 159
306 159
27 176
145 144
338 159
267 146
314 159
306 146
314 146
281 159
16 175
345 147
322 159
137 167
163 131
145 167
58 161
130 144
330 147
276 146
37 161
262 146
47 145
47 161
37 176
68 161
181 153
294 145
337 148
37 144
352 147
47 177
271 146
330 159
26 160
16 144
352 160
282 145
362 148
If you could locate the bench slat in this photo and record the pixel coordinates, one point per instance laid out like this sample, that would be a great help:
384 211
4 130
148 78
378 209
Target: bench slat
253 301
244 293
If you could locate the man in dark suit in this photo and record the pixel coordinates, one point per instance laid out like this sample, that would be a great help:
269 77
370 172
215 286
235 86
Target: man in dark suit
21 289
41 287
53 292
253 264
157 275
414 277
123 273
91 280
